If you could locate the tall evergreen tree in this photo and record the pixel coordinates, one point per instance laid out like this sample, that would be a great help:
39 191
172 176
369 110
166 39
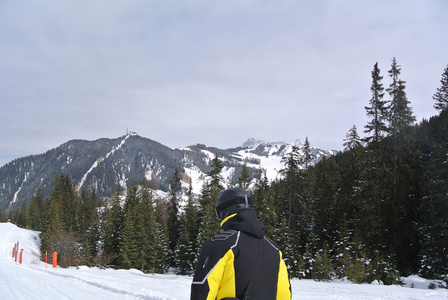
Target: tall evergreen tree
434 226
291 174
89 222
402 206
400 113
305 186
189 231
322 268
352 140
216 182
53 228
161 241
441 96
353 182
21 215
209 195
377 111
328 182
371 208
37 211
129 248
112 224
264 205
64 191
173 214
146 227
128 241
306 159
245 178
140 244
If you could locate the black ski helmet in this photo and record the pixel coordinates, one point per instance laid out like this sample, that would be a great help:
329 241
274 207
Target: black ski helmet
232 201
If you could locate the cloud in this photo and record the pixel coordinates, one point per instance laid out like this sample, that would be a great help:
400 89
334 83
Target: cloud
207 72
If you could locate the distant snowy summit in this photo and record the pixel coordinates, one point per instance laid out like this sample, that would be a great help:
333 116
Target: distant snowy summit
253 143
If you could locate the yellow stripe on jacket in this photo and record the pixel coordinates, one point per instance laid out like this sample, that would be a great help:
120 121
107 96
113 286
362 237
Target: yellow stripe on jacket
283 285
222 278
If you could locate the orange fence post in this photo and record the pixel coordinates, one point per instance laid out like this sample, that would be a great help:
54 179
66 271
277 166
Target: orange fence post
55 259
21 254
13 251
17 250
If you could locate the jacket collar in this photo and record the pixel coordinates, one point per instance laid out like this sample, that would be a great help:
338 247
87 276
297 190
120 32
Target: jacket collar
245 221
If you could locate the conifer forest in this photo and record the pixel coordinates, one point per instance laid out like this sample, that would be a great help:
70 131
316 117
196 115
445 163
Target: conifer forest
377 210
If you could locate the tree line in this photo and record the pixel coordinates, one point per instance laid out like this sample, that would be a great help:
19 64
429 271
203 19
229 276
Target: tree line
374 211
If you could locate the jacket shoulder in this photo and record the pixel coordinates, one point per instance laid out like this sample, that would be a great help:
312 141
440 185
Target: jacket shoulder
224 235
218 245
272 243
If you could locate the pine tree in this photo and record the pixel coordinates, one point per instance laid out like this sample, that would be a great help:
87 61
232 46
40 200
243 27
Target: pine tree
53 227
322 268
185 249
161 242
342 248
129 247
441 96
64 191
287 241
325 204
89 223
352 199
59 232
139 234
146 230
161 259
434 211
264 205
291 174
306 159
377 111
37 211
188 237
371 206
209 195
216 183
173 214
209 222
400 113
112 224
305 194
22 213
401 208
352 139
245 177
93 234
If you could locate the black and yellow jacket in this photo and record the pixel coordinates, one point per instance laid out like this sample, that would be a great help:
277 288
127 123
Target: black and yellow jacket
227 262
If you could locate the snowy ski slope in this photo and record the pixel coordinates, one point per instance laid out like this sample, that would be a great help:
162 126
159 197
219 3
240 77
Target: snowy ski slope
32 280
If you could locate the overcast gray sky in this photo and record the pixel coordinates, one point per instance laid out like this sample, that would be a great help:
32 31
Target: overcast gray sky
211 72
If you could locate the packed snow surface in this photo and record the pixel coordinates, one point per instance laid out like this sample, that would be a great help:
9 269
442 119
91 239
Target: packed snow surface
34 280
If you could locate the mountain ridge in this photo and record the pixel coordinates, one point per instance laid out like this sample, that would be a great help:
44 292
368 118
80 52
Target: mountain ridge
104 163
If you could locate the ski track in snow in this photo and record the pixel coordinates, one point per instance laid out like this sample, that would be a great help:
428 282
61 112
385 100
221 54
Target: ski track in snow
95 164
33 280
14 198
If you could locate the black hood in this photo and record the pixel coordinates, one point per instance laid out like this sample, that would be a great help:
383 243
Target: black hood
246 221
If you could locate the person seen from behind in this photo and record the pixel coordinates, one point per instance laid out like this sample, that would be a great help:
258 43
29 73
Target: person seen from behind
240 262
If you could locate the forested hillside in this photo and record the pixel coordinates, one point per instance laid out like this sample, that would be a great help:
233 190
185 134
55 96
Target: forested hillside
375 211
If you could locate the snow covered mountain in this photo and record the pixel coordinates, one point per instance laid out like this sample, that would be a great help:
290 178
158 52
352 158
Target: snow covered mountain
104 163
